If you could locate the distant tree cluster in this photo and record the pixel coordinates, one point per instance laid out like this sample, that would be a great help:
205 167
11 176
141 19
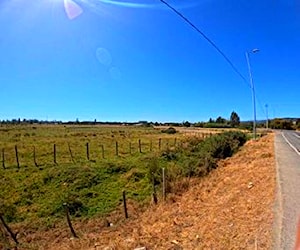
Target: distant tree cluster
282 124
28 121
220 122
298 124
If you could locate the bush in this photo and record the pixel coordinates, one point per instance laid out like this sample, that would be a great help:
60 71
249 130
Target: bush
169 155
222 145
154 171
169 130
218 147
199 156
281 124
198 167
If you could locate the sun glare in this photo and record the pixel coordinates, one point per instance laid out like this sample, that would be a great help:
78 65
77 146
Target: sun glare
72 9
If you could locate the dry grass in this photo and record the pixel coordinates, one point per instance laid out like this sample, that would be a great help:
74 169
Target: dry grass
231 208
194 131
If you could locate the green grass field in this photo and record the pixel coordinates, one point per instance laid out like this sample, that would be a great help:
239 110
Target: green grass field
43 138
92 187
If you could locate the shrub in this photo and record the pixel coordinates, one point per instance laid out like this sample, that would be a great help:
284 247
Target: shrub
222 145
154 170
198 167
169 130
169 155
201 156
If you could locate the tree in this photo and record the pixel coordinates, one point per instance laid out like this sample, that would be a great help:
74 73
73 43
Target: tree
298 124
234 119
211 120
281 124
220 120
186 124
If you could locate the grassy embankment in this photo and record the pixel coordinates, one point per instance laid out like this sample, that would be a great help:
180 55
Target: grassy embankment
35 194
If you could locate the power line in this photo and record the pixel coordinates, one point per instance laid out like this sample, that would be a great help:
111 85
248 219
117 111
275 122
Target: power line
215 46
260 104
207 39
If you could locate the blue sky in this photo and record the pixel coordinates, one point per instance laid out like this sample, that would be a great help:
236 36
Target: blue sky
137 60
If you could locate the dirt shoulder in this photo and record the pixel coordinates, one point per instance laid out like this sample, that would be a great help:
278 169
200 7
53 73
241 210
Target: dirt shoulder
231 208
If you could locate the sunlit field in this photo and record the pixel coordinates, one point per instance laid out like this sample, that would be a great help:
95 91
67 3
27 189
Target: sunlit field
71 143
88 167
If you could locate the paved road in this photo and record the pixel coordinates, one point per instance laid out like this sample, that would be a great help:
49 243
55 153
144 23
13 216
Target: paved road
287 209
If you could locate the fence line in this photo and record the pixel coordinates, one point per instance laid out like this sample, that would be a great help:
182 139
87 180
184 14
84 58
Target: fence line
40 157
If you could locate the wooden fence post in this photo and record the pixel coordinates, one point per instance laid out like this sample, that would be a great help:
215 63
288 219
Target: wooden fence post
17 156
34 157
159 143
151 146
175 142
125 205
70 151
154 189
54 153
3 158
13 236
102 149
117 149
140 146
87 151
69 220
164 184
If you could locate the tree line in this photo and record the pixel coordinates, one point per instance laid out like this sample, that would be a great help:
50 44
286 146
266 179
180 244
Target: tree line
219 122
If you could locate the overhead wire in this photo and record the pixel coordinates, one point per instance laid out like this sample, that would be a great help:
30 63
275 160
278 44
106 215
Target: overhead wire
262 109
207 39
214 45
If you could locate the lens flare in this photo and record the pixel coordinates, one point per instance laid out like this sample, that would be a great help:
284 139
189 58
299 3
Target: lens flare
127 3
72 9
103 56
115 73
144 3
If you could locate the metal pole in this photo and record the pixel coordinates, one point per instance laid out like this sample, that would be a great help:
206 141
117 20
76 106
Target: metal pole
253 95
267 122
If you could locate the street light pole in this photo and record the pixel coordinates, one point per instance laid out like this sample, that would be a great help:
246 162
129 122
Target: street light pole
253 91
267 122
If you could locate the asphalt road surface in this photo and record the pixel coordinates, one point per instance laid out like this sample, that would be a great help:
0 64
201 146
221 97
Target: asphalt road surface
287 209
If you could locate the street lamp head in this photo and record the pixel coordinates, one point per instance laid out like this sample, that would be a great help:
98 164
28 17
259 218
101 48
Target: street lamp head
255 50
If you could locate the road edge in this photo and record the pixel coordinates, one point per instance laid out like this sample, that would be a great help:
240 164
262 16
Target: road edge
290 144
278 207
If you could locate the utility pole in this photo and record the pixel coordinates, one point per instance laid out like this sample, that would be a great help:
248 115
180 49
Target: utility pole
253 90
267 121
